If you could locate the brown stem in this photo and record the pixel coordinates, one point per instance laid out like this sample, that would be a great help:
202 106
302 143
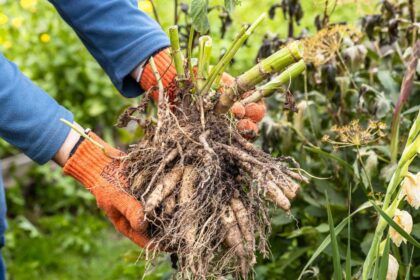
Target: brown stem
176 12
155 11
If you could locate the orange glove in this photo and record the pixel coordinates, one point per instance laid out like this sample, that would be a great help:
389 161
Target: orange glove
167 71
98 173
248 115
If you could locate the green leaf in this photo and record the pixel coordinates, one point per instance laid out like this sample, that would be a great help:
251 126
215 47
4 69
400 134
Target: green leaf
334 244
327 239
383 106
383 267
199 17
389 84
412 110
393 224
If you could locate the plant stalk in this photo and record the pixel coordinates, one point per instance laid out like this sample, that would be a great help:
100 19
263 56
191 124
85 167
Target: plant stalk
189 54
410 151
271 65
204 55
218 69
155 13
284 78
406 89
216 83
84 135
176 53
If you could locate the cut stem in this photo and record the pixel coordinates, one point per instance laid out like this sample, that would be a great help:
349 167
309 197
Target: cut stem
204 55
176 53
271 65
284 78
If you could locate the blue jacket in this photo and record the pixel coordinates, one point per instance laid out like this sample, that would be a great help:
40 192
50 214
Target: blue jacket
116 33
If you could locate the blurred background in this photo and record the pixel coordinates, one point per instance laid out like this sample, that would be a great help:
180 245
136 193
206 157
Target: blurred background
55 229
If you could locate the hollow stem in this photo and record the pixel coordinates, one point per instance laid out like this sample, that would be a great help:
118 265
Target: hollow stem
248 80
283 79
239 41
204 54
273 64
176 53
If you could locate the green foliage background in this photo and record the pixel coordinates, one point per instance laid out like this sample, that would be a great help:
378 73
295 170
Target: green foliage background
56 232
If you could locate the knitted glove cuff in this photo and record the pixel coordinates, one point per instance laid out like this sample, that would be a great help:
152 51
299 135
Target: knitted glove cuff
88 162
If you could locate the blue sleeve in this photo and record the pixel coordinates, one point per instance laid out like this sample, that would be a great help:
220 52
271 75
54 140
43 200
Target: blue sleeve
117 34
29 118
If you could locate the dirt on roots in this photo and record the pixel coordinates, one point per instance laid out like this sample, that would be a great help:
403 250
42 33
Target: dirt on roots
206 190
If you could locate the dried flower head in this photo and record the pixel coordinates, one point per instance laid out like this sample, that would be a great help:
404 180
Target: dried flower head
353 134
405 221
411 189
323 46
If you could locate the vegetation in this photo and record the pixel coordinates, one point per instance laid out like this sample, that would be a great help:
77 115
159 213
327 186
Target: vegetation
351 122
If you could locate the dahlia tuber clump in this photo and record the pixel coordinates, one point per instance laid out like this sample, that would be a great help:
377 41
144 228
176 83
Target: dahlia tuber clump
205 189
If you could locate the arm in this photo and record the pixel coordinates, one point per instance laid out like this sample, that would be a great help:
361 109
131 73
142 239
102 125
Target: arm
29 118
117 34
30 121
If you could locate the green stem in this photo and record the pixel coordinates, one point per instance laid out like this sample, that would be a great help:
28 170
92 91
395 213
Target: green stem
410 151
284 78
161 100
229 55
248 80
176 53
189 54
414 131
374 249
204 55
216 83
84 135
359 158
273 64
395 132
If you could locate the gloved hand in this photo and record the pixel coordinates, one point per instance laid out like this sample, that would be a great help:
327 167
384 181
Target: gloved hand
249 116
167 71
99 174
